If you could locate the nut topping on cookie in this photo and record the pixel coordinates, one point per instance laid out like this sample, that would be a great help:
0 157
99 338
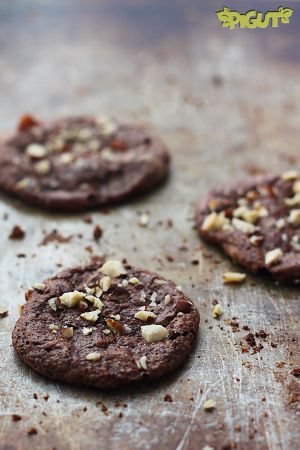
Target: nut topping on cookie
244 227
112 268
273 256
39 286
36 151
154 333
145 315
290 175
214 221
93 356
67 332
294 217
91 316
71 299
142 363
105 283
42 167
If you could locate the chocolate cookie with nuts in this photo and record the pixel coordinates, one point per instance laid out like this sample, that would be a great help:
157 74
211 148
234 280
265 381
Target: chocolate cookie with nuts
80 162
105 325
257 223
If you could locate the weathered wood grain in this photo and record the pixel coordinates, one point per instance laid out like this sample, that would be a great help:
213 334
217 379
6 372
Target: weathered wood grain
227 104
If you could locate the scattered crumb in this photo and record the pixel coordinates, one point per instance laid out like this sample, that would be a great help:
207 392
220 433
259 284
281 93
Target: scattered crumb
16 417
168 398
217 311
3 313
97 232
32 431
233 277
17 233
296 372
55 236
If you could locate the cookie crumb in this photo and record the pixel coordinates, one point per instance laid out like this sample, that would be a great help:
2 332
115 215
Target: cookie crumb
17 233
16 417
217 311
97 232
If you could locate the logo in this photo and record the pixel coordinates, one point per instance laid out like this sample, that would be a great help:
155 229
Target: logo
253 19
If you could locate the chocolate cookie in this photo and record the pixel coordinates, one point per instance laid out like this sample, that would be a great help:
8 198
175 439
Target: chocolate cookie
257 223
105 325
80 162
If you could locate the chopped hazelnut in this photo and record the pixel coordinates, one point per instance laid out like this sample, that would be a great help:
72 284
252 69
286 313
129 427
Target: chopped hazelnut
296 187
96 301
66 158
256 240
134 280
93 356
294 217
209 404
233 277
280 223
154 333
144 220
293 201
214 221
53 328
244 227
112 268
217 311
167 299
91 316
273 256
105 283
290 175
86 331
145 315
142 363
71 299
42 167
115 326
52 304
36 151
39 286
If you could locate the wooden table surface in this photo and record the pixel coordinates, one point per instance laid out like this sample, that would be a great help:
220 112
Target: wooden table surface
227 104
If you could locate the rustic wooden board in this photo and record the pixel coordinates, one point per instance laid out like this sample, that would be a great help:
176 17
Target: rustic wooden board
227 104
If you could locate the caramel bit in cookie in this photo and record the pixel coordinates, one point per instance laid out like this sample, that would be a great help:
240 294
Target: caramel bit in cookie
93 356
39 287
17 233
91 316
36 151
273 256
244 227
97 232
154 333
3 313
71 299
115 326
290 175
294 217
217 311
142 363
214 221
113 268
209 405
233 277
144 220
27 122
67 333
105 283
134 280
145 315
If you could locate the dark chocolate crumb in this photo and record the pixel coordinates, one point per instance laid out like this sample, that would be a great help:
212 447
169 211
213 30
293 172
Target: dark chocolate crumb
17 233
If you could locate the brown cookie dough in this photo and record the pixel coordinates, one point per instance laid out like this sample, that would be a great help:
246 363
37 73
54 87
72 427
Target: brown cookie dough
257 223
80 162
105 325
